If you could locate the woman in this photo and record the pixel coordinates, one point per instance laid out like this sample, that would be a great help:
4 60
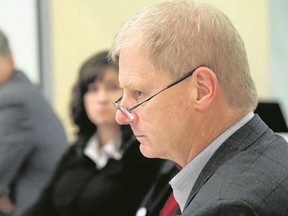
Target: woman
103 173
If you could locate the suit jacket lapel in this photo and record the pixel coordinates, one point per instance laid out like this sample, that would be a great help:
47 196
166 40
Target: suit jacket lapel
238 142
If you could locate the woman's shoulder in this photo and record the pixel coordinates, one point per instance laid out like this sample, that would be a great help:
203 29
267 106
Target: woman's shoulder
71 156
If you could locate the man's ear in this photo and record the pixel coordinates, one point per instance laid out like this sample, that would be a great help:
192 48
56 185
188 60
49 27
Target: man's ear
207 87
10 62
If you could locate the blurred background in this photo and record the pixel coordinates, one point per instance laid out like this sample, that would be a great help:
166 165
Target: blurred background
51 38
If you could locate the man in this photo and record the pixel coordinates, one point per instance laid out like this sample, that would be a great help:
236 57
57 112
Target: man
32 139
189 97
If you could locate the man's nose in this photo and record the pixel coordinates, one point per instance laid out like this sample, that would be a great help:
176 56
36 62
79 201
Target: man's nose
122 119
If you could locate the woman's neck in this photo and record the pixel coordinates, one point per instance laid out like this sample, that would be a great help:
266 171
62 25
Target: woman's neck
106 133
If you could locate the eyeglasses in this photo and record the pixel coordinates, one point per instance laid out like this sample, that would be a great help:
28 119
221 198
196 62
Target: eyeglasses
128 111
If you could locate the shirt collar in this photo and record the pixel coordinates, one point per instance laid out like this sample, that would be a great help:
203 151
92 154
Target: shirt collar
184 181
101 155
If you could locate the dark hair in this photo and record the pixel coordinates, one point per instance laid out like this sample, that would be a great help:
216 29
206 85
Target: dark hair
91 70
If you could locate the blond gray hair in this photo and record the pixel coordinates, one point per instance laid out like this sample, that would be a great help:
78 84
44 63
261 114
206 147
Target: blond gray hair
181 35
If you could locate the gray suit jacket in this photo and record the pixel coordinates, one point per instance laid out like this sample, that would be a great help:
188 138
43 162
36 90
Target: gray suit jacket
247 175
32 140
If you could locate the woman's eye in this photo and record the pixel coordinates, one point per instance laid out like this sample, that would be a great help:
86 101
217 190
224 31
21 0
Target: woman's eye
92 88
113 87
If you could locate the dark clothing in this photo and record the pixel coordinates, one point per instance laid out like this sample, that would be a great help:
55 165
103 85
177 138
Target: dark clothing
158 194
80 189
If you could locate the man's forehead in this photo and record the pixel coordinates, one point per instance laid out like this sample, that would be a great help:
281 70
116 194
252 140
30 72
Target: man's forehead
142 78
136 70
130 78
134 67
133 59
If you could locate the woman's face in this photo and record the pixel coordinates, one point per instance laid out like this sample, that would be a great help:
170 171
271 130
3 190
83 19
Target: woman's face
99 97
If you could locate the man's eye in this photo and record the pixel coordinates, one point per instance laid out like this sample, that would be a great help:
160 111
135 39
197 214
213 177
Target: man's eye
138 94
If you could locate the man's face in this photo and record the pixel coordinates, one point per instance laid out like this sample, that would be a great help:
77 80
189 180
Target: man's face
161 124
6 66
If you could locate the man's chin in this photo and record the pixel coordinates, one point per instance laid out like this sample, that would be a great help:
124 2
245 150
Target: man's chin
147 152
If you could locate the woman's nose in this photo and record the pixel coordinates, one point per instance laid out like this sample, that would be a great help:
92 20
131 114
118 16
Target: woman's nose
102 95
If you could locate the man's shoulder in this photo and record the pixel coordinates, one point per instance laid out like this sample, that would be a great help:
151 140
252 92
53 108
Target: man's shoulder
265 158
254 177
19 90
257 170
17 86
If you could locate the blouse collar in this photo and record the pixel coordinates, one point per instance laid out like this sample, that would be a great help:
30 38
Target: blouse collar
100 155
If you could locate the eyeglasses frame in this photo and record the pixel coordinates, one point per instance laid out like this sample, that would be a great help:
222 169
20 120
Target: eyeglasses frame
128 112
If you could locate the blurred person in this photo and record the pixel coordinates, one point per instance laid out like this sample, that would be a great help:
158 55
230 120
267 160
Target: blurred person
189 97
32 139
103 172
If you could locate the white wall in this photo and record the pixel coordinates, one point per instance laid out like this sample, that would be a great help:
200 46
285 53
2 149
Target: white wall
18 20
279 53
